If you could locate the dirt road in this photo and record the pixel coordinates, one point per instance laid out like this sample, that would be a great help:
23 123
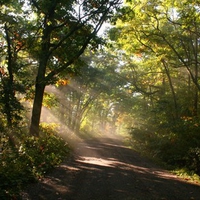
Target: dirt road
104 169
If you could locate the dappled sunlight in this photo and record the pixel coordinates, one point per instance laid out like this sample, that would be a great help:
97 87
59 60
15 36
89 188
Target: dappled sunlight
97 161
67 106
63 131
105 168
100 157
114 163
62 114
71 168
164 174
93 156
56 184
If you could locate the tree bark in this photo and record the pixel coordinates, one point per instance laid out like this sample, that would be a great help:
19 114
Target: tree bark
8 85
196 74
37 108
40 81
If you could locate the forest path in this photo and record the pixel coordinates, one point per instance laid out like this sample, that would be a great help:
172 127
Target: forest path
105 169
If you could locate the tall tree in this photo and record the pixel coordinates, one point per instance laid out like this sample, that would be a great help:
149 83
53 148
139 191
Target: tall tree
64 31
11 63
162 31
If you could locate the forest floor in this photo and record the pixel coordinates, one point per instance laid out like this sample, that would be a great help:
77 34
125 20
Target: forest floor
105 169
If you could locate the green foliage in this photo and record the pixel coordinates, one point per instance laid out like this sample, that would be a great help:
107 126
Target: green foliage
193 159
29 160
13 171
50 100
158 41
177 144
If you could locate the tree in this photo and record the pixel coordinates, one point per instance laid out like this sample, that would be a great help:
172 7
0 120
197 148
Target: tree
113 101
80 92
11 61
64 31
77 94
166 33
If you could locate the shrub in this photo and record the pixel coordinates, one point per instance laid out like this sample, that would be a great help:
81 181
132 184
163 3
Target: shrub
29 160
193 159
177 143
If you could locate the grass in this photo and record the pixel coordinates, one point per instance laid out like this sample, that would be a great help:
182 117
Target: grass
187 175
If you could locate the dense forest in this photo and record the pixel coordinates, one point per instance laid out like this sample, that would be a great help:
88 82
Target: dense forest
87 67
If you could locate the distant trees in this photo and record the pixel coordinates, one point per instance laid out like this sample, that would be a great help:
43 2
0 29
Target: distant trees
90 99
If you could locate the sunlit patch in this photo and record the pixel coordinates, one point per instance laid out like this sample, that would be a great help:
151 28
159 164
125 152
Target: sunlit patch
60 188
113 145
94 148
89 168
113 163
164 174
69 168
56 184
97 161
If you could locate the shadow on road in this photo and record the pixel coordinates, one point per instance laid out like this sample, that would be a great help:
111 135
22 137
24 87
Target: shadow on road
104 169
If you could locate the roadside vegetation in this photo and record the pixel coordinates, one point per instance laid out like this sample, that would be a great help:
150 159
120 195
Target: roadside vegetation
159 45
175 146
29 159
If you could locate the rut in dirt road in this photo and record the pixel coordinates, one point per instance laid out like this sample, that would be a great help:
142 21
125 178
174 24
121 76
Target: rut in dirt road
104 169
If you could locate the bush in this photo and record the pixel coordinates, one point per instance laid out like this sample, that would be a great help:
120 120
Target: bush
177 143
193 159
28 161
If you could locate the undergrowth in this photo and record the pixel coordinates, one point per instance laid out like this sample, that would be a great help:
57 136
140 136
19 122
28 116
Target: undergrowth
177 145
28 160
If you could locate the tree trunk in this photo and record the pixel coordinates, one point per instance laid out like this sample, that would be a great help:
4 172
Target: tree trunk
39 93
196 74
37 108
8 85
40 80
